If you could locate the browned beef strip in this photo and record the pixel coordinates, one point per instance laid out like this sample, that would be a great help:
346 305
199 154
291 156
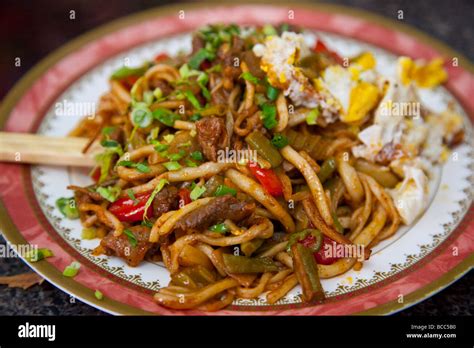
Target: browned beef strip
212 136
198 43
120 246
218 210
167 199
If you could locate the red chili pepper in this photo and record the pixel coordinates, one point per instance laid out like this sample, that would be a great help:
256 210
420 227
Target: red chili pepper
322 256
320 47
184 197
161 57
128 82
95 174
267 177
128 210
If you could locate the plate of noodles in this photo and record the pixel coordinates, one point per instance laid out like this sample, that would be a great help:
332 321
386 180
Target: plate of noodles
312 160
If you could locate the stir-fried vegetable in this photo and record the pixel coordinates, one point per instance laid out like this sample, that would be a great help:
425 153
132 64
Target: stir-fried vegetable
132 210
306 271
327 169
244 264
267 177
260 143
225 190
126 71
67 207
72 270
39 254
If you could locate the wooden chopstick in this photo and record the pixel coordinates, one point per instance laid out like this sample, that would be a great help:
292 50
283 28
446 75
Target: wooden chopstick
40 149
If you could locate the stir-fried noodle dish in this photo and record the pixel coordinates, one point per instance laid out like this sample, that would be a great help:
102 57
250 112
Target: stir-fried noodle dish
259 161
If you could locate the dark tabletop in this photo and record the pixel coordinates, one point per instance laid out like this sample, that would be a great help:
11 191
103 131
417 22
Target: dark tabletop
31 30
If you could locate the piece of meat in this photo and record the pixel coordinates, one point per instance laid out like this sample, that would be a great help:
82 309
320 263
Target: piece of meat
122 247
218 210
167 199
198 43
212 136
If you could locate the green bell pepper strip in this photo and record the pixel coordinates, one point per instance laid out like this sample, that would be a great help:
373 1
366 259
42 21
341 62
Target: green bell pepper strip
306 270
260 143
327 169
244 264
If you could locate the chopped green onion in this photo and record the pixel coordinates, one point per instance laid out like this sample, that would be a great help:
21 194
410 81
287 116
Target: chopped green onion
158 93
215 68
109 193
156 190
197 192
108 130
126 163
199 57
142 117
269 30
67 206
190 163
147 223
165 116
131 237
284 27
148 97
219 228
195 117
104 160
202 81
272 93
88 233
225 190
279 141
72 270
184 71
131 195
161 147
36 255
196 155
176 156
143 168
126 71
269 115
249 77
312 116
192 99
169 138
98 295
172 165
109 143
